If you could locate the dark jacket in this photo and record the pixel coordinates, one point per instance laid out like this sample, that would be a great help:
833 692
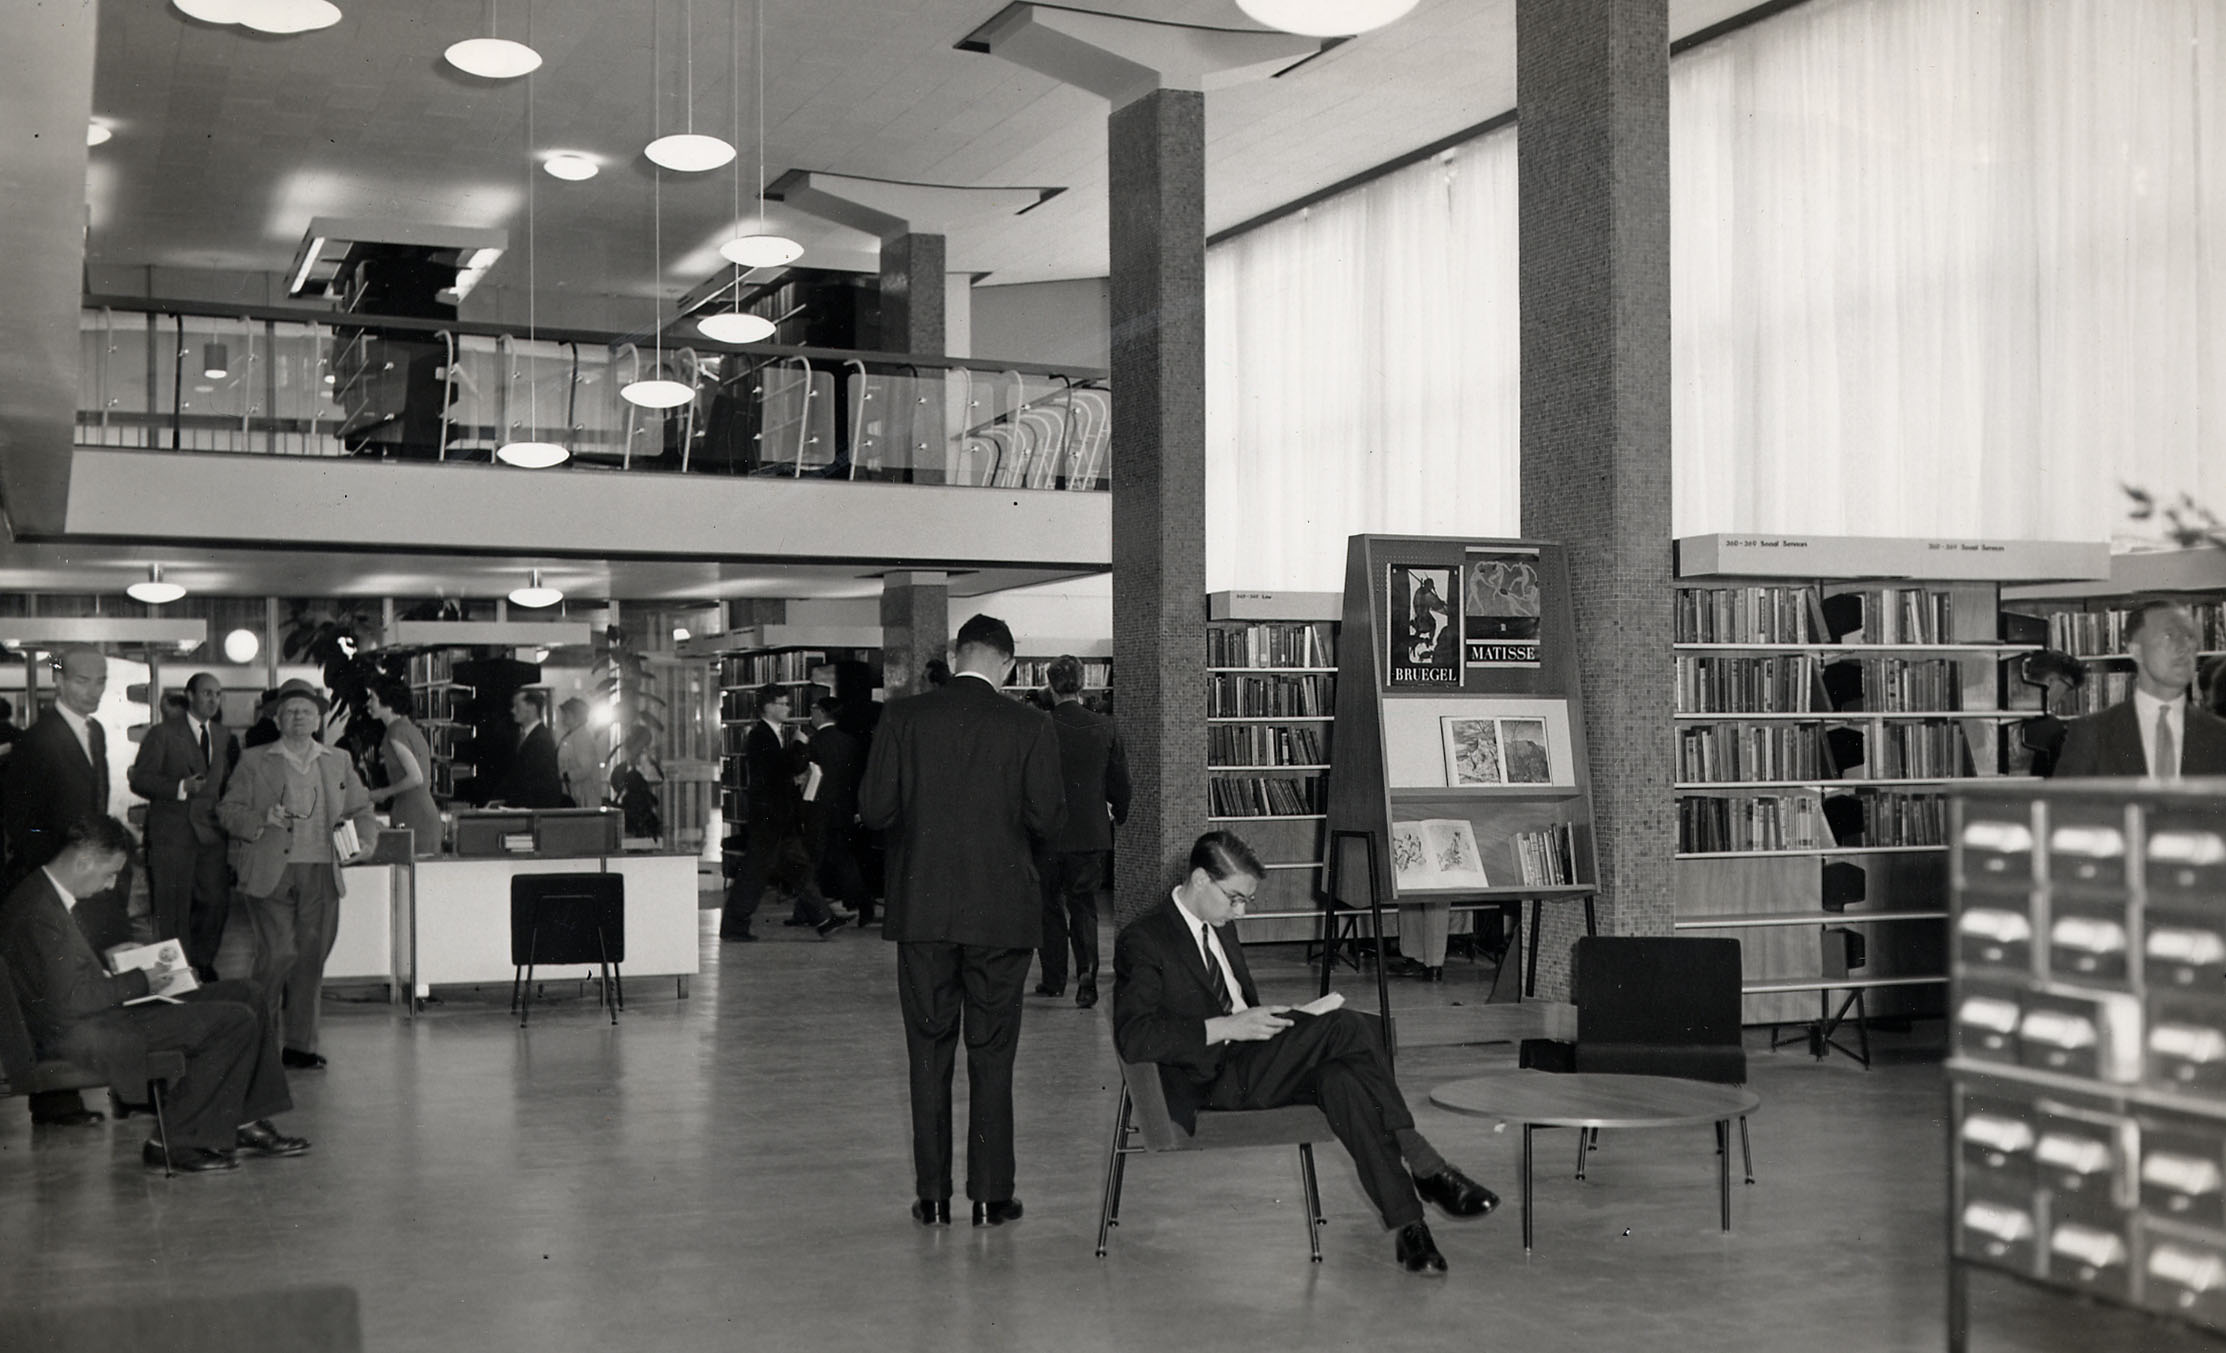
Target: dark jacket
841 760
1162 999
59 980
961 778
769 765
2109 743
51 785
1093 764
533 780
169 755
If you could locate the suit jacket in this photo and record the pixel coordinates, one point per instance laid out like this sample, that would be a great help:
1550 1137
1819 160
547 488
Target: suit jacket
169 755
60 982
2109 743
51 784
1162 999
841 760
960 778
1094 766
774 803
258 782
534 781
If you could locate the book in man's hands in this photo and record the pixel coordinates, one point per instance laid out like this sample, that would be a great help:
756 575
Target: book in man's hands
1321 1005
169 976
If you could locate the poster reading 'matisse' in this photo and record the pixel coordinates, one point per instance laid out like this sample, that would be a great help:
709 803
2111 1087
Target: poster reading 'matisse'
1500 599
1422 626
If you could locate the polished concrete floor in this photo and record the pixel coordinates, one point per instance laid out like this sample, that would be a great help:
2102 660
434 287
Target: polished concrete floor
732 1170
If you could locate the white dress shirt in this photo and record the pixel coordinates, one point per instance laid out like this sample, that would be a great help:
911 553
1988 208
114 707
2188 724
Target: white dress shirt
1209 945
2145 707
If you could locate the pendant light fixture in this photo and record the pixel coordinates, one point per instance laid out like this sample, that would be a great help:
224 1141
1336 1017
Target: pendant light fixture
533 595
215 362
97 133
281 17
492 57
734 324
1326 18
571 166
688 152
526 452
656 392
154 591
762 250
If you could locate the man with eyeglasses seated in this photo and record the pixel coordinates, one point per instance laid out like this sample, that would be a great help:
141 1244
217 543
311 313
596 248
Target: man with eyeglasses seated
2157 731
1183 998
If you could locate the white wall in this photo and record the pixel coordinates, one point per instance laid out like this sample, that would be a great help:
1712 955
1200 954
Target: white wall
1060 323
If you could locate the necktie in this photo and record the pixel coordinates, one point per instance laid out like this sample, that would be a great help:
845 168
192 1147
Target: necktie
2167 751
1213 970
204 745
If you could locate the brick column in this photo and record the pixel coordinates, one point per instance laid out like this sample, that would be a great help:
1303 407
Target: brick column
1158 233
1592 86
912 294
915 626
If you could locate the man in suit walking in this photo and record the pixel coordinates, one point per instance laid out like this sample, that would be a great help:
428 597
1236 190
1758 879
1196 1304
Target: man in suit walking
1183 998
181 771
57 776
1094 765
838 759
2157 731
534 779
961 778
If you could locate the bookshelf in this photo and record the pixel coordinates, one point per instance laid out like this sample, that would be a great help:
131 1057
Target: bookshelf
1823 720
1032 670
2087 620
799 658
1271 681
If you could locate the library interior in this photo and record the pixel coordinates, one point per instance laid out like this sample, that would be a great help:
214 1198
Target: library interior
1542 569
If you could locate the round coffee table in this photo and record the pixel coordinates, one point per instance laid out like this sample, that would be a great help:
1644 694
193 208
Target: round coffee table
1589 1099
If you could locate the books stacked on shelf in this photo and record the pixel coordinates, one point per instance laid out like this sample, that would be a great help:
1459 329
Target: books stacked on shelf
1784 685
1547 858
1789 820
1923 751
2102 690
2100 634
1894 685
1263 745
1888 817
1264 796
1028 673
1268 696
431 668
1890 615
1739 751
1750 615
792 665
1270 645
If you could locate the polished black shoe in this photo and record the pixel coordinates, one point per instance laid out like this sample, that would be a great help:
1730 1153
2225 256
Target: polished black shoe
996 1214
1418 1253
1456 1193
1086 993
293 1059
744 937
826 929
264 1139
1046 989
865 918
186 1159
932 1211
77 1117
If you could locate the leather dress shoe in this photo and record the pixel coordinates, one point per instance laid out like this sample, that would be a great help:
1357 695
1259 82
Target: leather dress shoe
996 1214
77 1117
187 1160
743 938
826 929
264 1139
932 1211
293 1059
1086 993
1046 989
1456 1193
1417 1252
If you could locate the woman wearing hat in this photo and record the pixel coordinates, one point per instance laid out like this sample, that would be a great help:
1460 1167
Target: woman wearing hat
285 801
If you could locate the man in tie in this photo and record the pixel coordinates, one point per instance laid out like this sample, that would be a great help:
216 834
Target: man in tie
180 772
533 781
1183 998
56 778
2157 731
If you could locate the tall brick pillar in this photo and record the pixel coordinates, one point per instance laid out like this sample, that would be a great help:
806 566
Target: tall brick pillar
1157 194
912 301
915 626
1592 90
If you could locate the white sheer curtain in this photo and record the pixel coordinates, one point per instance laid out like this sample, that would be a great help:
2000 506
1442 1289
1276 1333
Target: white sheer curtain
1949 266
1361 372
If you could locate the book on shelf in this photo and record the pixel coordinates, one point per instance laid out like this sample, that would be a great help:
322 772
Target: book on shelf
1287 644
1891 615
1746 751
1888 817
1033 672
1246 745
1437 853
2095 634
1239 696
1263 795
1789 684
1780 820
1774 614
1547 858
1894 685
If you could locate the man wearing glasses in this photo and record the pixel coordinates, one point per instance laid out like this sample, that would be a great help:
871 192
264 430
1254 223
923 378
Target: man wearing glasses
2157 731
1183 998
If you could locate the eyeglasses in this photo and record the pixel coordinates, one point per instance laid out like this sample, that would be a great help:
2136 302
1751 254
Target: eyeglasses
1235 899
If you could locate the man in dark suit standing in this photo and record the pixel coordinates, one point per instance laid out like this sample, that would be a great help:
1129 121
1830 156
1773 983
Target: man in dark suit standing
56 777
1184 999
838 761
534 779
961 778
1094 765
180 772
2157 731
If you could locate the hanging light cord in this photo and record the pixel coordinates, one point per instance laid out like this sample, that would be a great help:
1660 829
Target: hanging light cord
757 38
734 53
533 386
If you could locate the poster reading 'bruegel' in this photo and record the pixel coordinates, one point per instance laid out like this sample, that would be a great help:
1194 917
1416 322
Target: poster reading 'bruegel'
1500 599
1422 623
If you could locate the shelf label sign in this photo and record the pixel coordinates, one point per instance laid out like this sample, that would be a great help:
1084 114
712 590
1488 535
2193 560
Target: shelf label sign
1499 605
1422 626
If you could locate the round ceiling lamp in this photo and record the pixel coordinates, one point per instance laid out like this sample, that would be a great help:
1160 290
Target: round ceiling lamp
285 17
689 152
534 595
735 326
657 394
97 134
209 11
571 166
761 251
154 591
241 645
493 58
532 455
1326 18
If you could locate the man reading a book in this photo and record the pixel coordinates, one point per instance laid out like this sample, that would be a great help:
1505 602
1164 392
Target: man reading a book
107 1022
1183 998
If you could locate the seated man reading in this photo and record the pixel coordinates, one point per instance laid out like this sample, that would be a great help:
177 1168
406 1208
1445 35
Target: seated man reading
1183 998
78 1011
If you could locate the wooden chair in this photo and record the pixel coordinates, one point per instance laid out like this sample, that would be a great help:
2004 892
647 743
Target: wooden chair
1142 1124
26 1073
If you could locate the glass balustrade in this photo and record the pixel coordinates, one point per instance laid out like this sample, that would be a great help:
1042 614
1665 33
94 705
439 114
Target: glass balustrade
285 385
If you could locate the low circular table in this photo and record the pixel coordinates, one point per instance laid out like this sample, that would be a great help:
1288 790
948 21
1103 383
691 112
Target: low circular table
1590 1099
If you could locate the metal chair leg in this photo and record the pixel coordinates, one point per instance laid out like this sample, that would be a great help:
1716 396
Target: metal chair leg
1109 1205
1746 1151
1580 1152
1314 1219
156 1091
